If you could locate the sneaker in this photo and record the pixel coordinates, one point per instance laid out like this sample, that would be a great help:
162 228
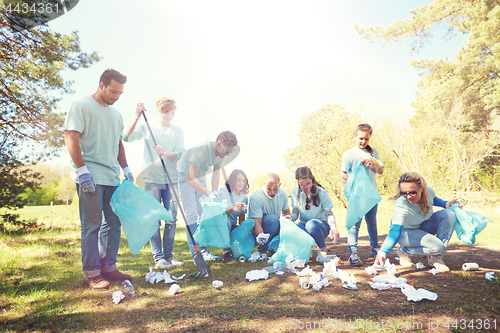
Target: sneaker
164 264
210 256
354 260
374 251
116 276
438 264
228 256
404 259
176 262
98 282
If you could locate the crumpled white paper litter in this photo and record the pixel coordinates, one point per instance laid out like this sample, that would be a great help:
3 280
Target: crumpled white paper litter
415 295
490 276
117 296
217 284
434 271
257 274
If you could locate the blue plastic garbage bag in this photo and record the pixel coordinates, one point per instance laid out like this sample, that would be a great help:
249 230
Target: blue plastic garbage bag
468 224
274 244
213 230
293 241
242 241
361 194
139 213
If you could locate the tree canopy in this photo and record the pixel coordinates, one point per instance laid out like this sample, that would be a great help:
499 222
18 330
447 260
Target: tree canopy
31 65
467 85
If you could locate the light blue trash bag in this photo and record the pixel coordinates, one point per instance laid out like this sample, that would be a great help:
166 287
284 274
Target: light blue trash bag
139 213
293 241
212 230
468 224
242 241
361 194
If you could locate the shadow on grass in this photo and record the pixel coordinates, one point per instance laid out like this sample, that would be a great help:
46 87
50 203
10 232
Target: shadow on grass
52 295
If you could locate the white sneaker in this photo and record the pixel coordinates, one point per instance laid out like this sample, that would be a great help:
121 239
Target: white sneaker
164 264
438 264
404 259
176 262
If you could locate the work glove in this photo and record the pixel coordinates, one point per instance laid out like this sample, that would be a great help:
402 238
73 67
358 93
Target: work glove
262 238
85 179
214 196
128 175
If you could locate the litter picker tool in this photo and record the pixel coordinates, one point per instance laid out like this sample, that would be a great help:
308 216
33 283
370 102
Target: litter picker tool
198 258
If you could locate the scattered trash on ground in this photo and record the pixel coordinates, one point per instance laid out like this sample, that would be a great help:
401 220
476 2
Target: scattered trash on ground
434 271
419 265
257 274
129 288
174 289
155 277
117 296
217 284
470 266
490 276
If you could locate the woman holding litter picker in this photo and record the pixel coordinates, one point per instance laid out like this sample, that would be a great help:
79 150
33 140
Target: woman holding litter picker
415 226
170 145
312 206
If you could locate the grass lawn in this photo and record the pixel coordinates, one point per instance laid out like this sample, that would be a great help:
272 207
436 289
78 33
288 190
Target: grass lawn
42 288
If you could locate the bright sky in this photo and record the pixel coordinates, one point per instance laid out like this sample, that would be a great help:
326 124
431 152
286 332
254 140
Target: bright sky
252 67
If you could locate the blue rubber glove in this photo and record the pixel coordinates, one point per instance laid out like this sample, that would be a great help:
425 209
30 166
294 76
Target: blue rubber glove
214 196
128 175
85 179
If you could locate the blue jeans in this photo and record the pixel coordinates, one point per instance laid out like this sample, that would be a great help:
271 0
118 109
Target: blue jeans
371 224
423 242
271 226
162 194
192 209
318 230
100 231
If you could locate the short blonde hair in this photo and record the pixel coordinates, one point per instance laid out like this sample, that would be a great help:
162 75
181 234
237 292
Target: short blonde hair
162 102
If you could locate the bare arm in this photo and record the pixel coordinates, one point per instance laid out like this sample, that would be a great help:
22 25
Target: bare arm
258 225
286 213
75 152
138 112
344 175
216 178
122 160
193 181
241 218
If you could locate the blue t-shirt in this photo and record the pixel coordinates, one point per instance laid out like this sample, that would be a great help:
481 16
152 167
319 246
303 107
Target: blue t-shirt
202 156
325 203
100 129
171 138
224 195
354 155
409 216
261 204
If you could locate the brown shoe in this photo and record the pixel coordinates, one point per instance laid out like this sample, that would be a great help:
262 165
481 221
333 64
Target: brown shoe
116 276
98 282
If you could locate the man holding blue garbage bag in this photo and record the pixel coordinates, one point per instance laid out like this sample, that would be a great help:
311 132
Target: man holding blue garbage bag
193 166
266 206
93 131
